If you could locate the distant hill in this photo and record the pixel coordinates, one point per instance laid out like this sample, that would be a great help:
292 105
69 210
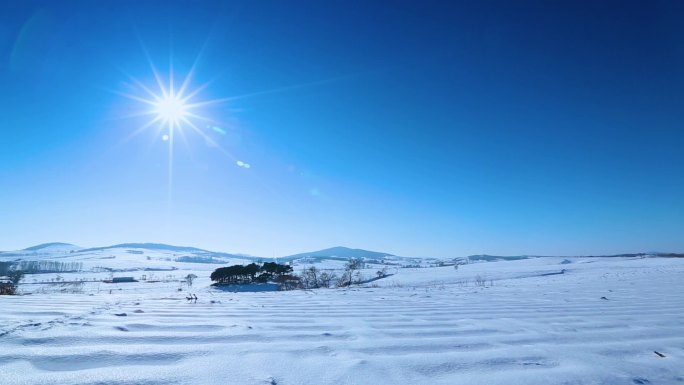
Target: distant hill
44 250
149 246
171 248
52 245
493 258
339 252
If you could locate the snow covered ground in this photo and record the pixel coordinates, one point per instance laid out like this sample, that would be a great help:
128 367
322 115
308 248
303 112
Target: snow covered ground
599 322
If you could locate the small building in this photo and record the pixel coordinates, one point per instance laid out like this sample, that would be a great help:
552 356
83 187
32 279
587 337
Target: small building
123 279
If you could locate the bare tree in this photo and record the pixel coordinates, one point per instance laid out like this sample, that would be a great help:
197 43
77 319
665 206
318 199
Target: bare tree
382 273
351 271
326 279
310 278
189 279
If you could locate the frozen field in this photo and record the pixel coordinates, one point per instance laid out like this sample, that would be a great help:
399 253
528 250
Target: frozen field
419 326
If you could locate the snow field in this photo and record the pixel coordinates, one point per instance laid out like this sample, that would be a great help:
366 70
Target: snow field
420 326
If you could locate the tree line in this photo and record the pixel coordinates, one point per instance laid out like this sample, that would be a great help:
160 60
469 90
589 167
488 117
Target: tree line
252 273
40 267
33 267
309 278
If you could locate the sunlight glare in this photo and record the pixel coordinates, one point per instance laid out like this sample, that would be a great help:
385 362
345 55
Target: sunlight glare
171 109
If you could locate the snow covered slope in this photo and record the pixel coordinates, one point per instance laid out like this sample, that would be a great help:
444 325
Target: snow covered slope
534 321
44 250
340 252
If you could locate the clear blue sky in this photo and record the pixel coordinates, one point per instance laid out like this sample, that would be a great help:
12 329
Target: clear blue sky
416 128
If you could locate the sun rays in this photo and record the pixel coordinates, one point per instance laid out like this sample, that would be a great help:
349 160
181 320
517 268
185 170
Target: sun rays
173 108
169 105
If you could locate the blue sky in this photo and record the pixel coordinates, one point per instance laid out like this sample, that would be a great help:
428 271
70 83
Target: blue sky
416 128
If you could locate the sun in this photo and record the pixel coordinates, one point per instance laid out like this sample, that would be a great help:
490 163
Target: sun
174 109
171 110
172 106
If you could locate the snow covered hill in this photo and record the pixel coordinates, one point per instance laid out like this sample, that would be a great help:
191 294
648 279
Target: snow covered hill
48 250
535 321
339 252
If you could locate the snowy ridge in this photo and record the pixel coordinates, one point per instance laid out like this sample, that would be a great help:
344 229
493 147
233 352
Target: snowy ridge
341 253
52 249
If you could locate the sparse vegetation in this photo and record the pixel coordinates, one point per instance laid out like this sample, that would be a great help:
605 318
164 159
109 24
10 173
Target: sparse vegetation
199 259
352 272
40 267
189 279
310 278
314 278
382 273
326 279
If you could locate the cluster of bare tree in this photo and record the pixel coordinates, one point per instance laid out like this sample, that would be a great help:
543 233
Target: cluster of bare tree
314 278
36 267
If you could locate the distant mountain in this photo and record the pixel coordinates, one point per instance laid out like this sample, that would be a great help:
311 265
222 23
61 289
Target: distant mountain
339 252
149 246
52 245
42 251
493 258
176 249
